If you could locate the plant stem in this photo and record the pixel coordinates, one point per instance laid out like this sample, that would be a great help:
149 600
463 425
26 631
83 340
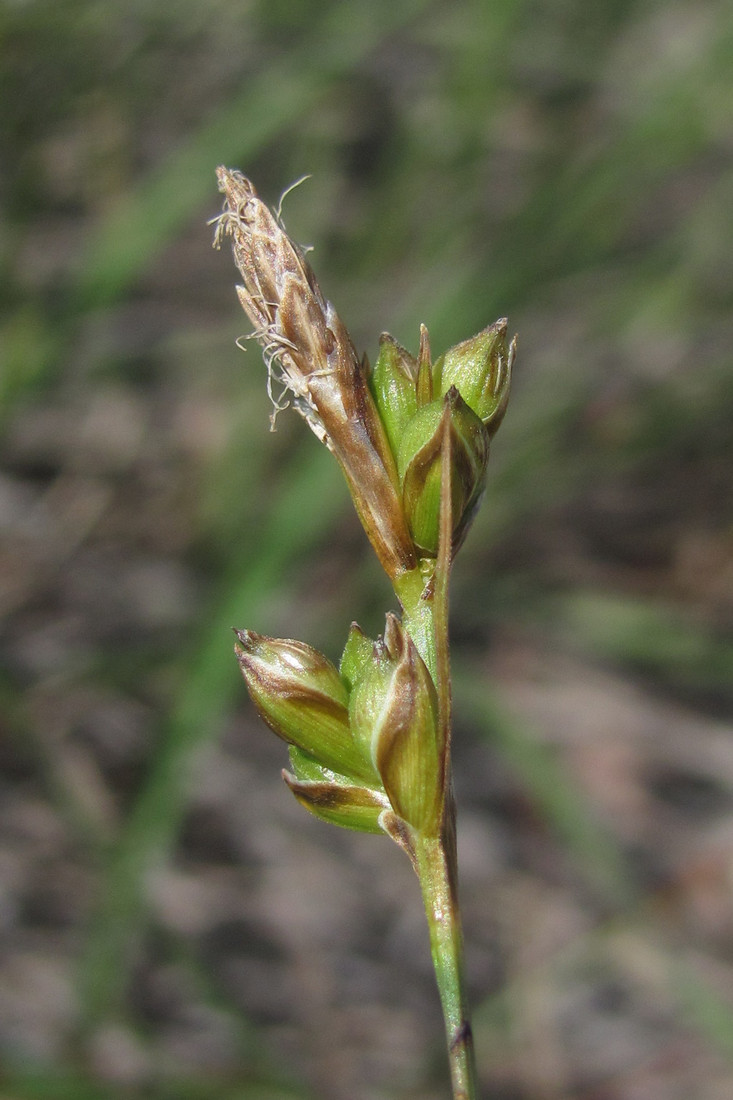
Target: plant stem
425 609
437 881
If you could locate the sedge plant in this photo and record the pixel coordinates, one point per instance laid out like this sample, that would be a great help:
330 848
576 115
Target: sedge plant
370 740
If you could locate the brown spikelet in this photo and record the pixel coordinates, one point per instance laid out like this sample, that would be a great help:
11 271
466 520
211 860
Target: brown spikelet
312 363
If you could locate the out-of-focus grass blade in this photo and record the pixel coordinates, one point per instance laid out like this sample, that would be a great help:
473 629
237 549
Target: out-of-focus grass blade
269 101
648 635
548 786
28 345
118 253
615 947
146 220
37 1084
208 686
703 1007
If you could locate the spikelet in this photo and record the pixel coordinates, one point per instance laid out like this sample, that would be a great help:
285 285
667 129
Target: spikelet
312 363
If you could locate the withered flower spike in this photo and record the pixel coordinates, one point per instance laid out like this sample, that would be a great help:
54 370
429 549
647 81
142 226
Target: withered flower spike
312 361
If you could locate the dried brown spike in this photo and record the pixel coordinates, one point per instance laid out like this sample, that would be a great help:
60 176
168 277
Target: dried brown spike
311 362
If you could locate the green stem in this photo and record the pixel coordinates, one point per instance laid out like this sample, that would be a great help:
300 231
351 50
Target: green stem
437 882
423 594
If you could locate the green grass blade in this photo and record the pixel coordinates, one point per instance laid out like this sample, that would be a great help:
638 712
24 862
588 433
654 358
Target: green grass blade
267 104
209 686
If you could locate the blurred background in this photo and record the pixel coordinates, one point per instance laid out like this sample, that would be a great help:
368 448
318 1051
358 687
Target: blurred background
173 924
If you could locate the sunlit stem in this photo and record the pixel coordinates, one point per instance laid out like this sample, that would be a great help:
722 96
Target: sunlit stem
441 584
425 605
437 881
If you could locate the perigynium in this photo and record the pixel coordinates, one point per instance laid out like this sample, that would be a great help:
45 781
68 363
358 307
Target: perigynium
370 741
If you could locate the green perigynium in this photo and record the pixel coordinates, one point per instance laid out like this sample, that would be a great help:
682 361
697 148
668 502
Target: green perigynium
334 797
393 711
356 655
481 368
419 468
393 383
370 741
302 698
